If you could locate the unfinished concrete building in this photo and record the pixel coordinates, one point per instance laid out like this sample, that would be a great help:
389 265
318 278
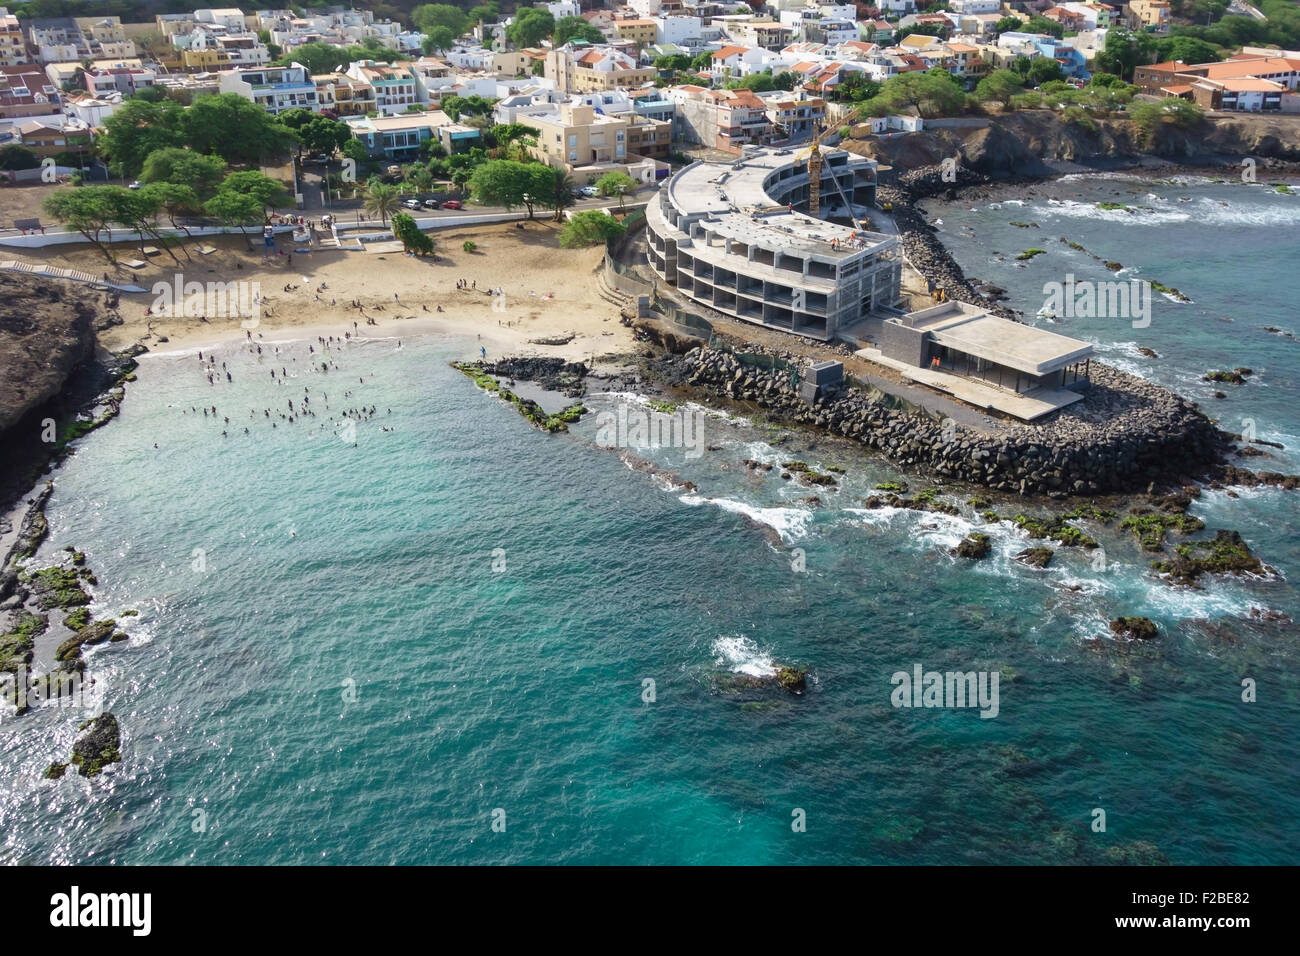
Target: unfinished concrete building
730 236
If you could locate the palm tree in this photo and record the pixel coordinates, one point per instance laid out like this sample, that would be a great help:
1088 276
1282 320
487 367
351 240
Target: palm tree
381 198
563 198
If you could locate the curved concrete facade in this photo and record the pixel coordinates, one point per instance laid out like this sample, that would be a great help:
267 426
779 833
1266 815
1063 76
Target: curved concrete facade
729 236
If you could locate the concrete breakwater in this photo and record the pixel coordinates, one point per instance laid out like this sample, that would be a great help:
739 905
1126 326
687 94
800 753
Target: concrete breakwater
1125 434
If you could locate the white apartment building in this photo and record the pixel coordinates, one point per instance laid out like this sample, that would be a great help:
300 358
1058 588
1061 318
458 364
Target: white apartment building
275 89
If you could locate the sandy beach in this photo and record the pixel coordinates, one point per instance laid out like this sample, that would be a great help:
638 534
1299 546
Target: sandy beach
548 291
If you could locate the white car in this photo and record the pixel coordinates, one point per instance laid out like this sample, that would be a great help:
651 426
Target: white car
411 203
588 192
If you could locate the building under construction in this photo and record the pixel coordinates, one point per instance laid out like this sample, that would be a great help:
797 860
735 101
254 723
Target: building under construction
732 236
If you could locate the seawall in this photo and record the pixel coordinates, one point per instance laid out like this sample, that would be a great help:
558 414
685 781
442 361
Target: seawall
1125 435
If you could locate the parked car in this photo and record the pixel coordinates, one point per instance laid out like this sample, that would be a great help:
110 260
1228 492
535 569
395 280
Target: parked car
588 192
431 204
452 204
135 185
411 203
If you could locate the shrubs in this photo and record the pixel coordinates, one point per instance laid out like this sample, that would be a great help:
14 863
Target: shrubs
590 228
469 245
413 240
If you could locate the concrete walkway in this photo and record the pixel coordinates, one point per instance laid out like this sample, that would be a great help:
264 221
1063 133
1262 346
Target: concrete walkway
74 275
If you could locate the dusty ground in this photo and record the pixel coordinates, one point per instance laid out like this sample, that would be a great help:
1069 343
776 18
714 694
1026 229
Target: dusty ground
549 291
24 202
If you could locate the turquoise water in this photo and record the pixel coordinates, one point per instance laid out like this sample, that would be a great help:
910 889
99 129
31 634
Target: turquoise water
327 663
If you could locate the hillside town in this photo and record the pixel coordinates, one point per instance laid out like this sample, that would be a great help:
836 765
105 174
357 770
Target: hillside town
624 88
745 135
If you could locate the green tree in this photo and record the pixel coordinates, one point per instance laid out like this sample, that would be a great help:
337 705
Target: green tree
575 28
139 209
1124 50
758 82
323 58
1043 70
324 135
185 168
562 196
250 182
14 156
615 184
437 40
175 199
669 63
412 238
1000 85
1172 111
485 13
473 105
1043 25
380 198
855 87
590 228
87 209
355 150
150 94
234 209
787 81
531 25
1187 49
429 16
137 129
419 179
929 94
504 182
702 61
236 129
1008 25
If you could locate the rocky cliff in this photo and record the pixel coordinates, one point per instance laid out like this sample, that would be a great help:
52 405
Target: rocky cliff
47 334
1040 142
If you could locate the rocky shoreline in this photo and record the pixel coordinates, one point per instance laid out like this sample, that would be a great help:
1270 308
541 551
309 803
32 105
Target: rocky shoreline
919 240
1126 435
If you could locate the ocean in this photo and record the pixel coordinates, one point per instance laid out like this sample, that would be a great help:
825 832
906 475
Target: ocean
439 635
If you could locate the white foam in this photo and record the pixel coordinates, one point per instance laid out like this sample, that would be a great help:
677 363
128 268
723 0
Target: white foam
789 523
741 655
1203 211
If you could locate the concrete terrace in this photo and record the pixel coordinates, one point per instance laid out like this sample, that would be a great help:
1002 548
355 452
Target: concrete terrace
982 359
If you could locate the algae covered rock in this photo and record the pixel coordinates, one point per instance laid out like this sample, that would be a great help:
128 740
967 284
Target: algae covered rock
975 545
1036 557
99 746
793 679
1138 628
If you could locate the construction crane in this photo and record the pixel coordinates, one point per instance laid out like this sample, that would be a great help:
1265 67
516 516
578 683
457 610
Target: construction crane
815 168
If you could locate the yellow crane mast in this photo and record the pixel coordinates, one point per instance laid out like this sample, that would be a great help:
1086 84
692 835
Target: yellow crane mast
815 163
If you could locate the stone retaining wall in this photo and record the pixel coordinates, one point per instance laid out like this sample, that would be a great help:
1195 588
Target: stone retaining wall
1124 435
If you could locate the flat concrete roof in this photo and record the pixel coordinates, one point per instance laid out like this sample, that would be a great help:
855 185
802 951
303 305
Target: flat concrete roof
975 331
732 197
